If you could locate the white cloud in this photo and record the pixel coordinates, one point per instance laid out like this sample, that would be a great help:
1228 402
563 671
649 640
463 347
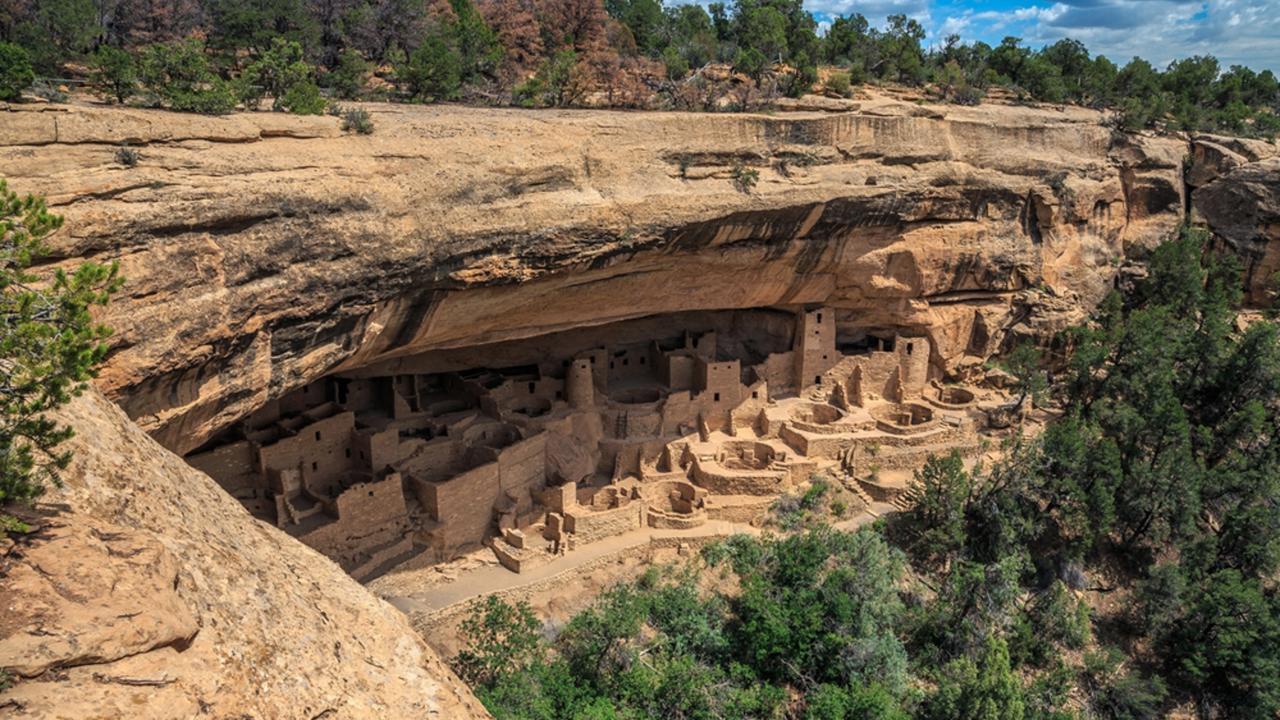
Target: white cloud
1243 32
954 25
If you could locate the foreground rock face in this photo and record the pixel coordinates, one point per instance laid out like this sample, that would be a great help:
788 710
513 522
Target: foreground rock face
264 251
150 593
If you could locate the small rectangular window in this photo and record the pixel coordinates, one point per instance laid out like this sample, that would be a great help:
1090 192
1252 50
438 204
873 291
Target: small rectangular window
315 466
348 452
819 318
755 395
817 379
717 397
317 434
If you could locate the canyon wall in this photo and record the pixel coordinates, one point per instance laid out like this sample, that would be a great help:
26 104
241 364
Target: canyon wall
263 251
1235 191
148 592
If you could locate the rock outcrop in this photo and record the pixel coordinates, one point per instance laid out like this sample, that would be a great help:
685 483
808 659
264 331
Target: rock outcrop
1236 193
264 251
149 593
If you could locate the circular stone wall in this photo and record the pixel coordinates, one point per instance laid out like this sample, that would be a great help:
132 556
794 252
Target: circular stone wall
903 417
816 414
950 397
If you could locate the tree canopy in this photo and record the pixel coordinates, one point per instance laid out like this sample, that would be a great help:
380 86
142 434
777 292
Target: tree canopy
635 52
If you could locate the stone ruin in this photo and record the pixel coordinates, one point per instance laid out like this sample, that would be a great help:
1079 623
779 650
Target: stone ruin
584 436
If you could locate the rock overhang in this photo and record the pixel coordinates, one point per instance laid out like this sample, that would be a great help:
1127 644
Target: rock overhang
264 251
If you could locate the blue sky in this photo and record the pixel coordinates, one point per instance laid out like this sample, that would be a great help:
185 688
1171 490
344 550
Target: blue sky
1245 32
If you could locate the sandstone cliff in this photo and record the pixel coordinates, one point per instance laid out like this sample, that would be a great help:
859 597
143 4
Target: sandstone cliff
150 593
264 251
1236 192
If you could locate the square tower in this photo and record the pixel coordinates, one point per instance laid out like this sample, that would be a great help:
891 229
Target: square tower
815 345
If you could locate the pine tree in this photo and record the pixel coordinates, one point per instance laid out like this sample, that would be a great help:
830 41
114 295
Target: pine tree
49 346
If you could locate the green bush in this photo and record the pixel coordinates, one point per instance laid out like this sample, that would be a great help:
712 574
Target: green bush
1060 617
1228 645
115 73
938 496
434 71
857 74
16 73
357 120
676 63
953 85
277 72
751 62
1054 618
217 98
832 702
802 76
499 640
840 83
1158 598
479 50
179 66
348 79
177 75
554 84
303 98
815 618
812 498
529 93
1112 692
985 688
744 178
1266 125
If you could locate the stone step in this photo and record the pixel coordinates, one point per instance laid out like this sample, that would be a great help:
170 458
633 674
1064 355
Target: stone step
852 485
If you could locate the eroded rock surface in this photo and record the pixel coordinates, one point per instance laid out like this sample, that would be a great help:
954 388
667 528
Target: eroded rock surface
1236 192
150 593
75 588
264 251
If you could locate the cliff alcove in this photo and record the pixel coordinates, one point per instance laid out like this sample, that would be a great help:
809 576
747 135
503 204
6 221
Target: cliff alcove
536 331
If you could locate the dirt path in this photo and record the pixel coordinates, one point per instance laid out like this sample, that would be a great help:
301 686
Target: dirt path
495 578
